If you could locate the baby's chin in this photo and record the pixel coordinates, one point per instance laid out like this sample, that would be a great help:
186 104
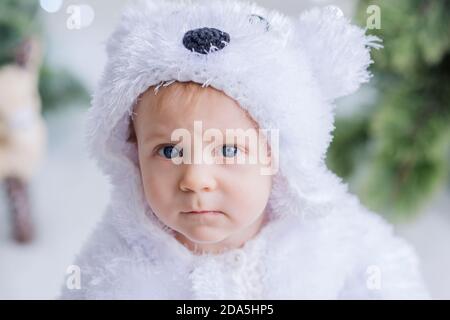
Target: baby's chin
204 235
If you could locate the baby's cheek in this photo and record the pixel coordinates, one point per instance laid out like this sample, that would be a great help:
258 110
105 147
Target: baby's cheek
250 192
156 189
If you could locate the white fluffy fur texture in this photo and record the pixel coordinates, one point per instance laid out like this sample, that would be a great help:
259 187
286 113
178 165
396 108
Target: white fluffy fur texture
320 241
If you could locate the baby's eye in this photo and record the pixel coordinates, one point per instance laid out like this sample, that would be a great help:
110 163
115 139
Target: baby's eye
170 152
229 151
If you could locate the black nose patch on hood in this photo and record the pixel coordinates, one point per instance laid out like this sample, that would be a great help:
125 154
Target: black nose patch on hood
203 39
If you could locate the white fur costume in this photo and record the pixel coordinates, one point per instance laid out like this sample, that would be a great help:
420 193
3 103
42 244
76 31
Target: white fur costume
321 242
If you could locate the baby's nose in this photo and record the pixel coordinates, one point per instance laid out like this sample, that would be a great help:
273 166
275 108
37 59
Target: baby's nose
197 178
202 40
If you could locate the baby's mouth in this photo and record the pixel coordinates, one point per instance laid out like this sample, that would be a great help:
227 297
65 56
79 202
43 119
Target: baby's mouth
208 212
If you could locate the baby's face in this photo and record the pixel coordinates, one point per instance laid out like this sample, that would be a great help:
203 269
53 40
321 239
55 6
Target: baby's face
236 192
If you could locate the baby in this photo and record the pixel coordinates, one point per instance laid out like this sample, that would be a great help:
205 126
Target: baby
212 121
234 195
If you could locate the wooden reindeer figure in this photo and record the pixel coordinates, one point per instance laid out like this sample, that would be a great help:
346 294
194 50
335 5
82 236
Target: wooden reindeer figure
23 134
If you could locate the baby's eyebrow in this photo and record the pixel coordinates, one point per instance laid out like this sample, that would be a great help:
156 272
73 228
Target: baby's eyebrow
160 135
153 135
163 134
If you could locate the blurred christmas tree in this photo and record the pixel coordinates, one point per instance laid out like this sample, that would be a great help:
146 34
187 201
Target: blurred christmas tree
18 21
396 154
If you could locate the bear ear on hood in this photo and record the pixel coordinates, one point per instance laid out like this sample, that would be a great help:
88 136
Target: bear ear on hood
339 52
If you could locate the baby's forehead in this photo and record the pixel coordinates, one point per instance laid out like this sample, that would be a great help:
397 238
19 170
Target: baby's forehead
180 104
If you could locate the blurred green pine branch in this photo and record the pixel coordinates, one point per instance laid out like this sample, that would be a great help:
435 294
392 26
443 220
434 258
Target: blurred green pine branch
402 144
